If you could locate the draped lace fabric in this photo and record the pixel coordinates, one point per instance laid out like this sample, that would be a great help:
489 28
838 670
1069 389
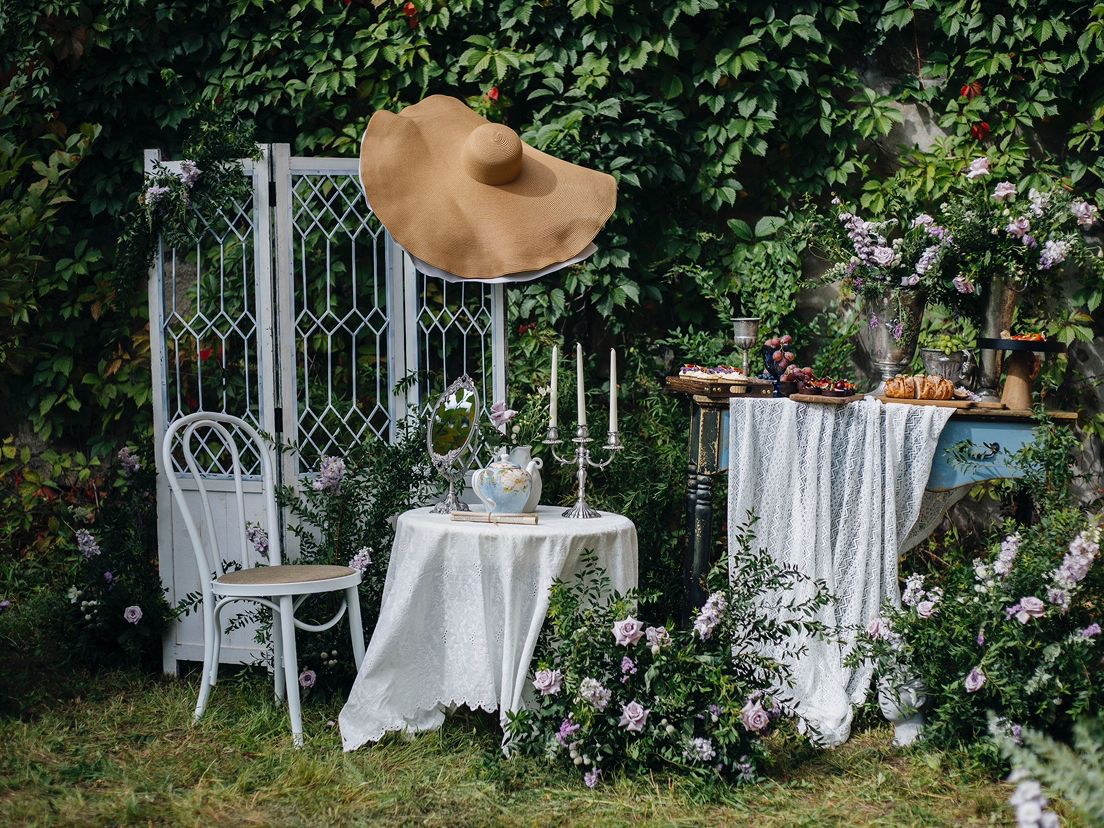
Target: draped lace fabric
462 607
836 489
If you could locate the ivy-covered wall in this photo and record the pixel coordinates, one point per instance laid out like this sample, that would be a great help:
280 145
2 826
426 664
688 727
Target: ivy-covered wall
711 113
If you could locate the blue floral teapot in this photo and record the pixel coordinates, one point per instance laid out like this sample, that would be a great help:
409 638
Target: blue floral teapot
504 487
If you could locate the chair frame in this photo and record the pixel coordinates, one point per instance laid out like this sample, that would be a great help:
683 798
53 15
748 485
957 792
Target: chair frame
284 597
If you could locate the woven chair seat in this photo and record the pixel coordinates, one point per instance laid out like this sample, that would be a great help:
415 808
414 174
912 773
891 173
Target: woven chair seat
289 574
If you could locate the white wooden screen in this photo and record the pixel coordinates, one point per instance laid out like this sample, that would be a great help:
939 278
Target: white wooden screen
297 312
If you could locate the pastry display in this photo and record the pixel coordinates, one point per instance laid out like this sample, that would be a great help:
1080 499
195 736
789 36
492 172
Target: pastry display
722 373
919 387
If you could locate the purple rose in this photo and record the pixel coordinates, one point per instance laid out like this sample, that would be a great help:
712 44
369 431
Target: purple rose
548 682
500 415
628 632
656 638
1030 607
1004 191
755 718
1019 227
133 614
925 609
975 680
633 716
307 678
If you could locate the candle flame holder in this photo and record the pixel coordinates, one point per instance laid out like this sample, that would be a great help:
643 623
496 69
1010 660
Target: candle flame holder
582 461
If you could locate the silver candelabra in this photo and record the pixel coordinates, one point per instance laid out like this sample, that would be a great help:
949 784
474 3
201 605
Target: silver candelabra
582 461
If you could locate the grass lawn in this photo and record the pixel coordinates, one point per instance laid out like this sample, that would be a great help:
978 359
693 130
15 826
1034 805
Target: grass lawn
119 750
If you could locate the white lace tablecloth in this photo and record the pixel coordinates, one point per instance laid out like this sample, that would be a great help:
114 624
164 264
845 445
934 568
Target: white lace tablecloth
462 607
837 489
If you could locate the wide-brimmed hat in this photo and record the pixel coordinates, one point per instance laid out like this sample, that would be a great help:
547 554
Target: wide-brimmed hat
469 197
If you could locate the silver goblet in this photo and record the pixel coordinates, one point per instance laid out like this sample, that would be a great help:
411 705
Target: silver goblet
746 332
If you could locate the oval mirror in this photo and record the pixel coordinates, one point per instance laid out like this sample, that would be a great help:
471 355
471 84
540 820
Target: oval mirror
453 422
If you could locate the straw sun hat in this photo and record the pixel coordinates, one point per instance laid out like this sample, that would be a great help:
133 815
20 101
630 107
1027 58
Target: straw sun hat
468 197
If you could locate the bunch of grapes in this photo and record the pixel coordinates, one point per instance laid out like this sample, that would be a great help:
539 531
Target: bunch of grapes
782 357
949 343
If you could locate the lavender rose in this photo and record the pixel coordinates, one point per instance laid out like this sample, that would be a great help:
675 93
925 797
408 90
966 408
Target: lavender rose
307 678
879 629
925 609
133 614
978 167
628 631
883 256
548 682
1004 191
975 680
1030 607
755 718
633 716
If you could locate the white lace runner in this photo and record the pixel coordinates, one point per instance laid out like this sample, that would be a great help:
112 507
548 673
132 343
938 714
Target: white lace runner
932 509
462 607
837 489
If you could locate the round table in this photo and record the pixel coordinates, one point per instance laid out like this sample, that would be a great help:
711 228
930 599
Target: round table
462 607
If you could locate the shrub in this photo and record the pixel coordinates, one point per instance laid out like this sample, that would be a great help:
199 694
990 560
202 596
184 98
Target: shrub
619 696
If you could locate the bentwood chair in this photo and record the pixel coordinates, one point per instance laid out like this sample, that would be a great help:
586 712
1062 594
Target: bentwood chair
198 439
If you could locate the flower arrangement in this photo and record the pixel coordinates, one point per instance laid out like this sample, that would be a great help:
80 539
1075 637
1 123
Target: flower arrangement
619 695
886 256
1025 234
1017 632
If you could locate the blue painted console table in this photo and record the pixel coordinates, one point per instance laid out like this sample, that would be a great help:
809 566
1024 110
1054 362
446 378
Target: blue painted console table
995 432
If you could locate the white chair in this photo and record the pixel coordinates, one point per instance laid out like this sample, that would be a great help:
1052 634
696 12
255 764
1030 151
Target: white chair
278 586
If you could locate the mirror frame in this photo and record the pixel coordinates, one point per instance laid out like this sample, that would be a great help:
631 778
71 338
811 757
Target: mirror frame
446 464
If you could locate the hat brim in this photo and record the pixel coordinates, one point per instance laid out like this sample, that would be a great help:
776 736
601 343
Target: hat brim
413 176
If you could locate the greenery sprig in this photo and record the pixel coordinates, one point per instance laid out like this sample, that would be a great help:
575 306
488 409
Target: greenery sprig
170 204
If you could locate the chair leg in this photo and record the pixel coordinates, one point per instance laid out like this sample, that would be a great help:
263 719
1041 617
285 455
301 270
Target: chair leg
278 657
356 626
291 665
210 633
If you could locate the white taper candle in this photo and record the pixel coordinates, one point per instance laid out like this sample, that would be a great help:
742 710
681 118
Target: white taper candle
554 391
579 372
613 391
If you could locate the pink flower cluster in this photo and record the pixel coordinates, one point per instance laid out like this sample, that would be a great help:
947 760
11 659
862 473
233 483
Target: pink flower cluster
710 615
1083 549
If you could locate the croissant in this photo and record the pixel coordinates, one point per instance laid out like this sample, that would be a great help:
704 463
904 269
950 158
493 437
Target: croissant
901 388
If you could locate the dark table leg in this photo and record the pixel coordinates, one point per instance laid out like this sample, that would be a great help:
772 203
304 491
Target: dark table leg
705 422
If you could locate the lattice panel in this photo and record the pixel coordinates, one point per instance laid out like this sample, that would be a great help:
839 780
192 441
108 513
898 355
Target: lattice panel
210 330
454 336
340 315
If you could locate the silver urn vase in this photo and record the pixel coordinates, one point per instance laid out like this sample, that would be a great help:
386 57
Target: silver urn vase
897 312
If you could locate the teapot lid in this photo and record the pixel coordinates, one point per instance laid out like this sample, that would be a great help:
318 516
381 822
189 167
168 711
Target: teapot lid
503 464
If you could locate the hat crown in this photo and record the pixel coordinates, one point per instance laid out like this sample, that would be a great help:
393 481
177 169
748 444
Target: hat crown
492 154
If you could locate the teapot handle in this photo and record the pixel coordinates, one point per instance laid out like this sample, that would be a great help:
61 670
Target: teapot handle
477 481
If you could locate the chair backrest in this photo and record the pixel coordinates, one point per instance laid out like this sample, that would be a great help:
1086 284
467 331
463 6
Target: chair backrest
202 435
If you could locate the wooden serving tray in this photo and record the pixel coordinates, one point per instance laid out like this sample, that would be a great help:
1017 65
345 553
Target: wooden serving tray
820 398
721 388
940 403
